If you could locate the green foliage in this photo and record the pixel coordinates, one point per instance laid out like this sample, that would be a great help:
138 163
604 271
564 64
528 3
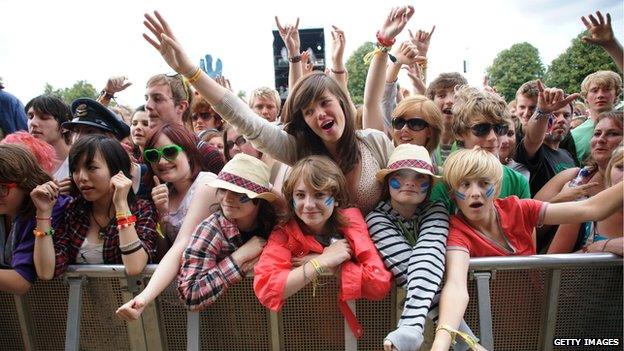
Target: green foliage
242 94
514 66
579 60
357 72
80 89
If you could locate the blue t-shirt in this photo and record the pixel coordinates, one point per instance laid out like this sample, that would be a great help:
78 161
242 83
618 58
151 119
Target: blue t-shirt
12 115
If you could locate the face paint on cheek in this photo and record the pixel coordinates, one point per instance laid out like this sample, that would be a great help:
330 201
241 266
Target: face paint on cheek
460 195
329 201
394 183
424 187
489 192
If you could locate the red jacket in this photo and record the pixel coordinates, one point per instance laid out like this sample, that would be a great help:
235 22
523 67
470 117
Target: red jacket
364 276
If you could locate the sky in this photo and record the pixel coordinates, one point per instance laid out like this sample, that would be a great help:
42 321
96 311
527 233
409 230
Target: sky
60 42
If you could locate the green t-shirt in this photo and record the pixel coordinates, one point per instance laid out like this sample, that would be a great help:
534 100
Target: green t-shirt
513 184
582 136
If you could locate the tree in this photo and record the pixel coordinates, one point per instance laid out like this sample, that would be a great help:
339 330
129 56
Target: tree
80 89
579 60
514 66
357 71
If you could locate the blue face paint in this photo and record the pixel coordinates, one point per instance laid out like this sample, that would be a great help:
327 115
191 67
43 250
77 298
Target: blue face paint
424 187
489 192
243 199
394 183
329 201
460 195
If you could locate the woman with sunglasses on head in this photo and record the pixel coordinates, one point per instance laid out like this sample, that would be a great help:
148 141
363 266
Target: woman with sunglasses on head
481 119
20 173
324 235
204 117
104 224
174 171
317 114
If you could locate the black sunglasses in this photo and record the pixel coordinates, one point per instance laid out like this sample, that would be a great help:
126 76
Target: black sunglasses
482 129
205 116
169 152
415 124
240 141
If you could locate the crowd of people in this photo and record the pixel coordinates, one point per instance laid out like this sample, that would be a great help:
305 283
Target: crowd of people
406 187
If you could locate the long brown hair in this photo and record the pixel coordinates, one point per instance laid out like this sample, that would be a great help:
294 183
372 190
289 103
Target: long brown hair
307 90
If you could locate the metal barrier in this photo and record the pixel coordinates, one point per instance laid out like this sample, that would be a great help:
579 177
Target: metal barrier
517 303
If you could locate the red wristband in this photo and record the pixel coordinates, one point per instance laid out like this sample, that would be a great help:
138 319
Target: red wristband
383 41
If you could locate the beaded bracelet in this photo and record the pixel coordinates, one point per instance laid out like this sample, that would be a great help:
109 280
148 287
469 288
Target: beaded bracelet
40 233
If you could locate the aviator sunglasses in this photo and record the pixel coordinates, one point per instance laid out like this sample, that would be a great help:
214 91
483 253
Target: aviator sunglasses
415 124
482 129
169 152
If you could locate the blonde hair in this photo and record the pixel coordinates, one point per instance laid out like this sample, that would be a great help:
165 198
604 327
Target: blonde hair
321 174
528 89
470 164
419 105
606 79
265 93
471 103
617 157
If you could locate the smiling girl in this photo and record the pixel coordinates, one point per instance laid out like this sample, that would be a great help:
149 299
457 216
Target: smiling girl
323 236
487 226
104 224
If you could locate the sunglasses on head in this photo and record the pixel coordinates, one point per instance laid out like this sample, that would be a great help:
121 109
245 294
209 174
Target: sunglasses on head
203 115
169 152
483 129
239 141
415 124
5 187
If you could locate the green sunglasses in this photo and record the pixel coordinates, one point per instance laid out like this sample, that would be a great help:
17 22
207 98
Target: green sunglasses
169 152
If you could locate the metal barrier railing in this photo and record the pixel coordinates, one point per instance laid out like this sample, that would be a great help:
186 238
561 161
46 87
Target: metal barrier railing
543 286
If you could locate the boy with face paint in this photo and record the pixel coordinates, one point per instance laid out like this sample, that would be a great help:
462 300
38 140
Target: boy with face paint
487 226
410 233
323 236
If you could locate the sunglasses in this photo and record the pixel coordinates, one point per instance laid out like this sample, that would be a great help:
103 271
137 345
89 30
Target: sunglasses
415 124
482 129
206 116
169 152
5 187
239 141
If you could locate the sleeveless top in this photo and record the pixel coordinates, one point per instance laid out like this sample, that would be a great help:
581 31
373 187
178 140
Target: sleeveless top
369 189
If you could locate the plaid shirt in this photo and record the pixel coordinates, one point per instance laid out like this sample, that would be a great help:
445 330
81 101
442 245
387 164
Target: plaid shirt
207 267
72 229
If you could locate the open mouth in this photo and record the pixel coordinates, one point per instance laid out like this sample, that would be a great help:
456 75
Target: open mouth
447 111
327 125
476 205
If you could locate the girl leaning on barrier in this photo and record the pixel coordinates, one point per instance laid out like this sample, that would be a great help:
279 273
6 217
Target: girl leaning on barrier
317 114
174 173
324 235
486 226
227 244
20 173
104 223
410 233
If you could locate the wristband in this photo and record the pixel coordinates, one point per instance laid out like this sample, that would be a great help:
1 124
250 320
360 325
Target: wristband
106 94
43 218
195 76
40 233
383 41
338 71
295 59
131 251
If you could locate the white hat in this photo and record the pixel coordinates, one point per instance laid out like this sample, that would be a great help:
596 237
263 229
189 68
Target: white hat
246 175
408 156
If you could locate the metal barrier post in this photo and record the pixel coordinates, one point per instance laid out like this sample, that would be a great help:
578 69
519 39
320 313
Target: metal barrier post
26 326
485 309
136 335
350 340
192 331
549 317
74 313
275 330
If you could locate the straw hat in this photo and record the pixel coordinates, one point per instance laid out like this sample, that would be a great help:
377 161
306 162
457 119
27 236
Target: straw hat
408 156
246 175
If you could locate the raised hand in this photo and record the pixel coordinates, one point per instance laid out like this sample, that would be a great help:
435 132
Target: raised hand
224 82
338 45
206 65
116 84
486 85
44 197
421 40
551 99
396 21
160 197
131 310
166 43
290 36
121 187
306 65
407 54
418 80
600 32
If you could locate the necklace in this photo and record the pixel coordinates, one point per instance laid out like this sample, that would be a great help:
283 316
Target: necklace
102 230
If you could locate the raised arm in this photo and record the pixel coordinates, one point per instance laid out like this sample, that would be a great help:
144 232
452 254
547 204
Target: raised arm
601 34
290 36
548 101
373 90
596 208
338 71
114 85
